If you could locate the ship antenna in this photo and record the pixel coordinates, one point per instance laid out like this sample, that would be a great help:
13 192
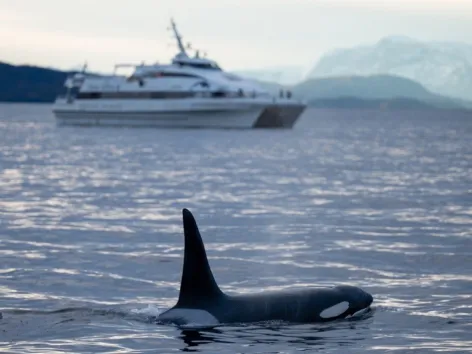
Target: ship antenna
178 37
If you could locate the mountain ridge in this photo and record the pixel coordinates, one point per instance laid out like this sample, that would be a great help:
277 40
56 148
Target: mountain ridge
442 67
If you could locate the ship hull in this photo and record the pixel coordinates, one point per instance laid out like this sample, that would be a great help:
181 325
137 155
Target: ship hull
184 114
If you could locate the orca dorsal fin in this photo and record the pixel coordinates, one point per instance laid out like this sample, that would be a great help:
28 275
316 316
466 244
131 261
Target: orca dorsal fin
198 286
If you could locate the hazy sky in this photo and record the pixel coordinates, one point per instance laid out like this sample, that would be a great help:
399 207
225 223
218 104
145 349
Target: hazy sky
236 33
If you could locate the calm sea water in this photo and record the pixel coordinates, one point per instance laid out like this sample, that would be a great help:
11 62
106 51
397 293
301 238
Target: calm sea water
91 234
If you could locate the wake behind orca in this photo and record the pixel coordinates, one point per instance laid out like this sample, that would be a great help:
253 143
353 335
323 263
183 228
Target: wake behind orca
202 302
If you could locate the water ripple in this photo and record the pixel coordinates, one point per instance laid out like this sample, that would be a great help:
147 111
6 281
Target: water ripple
91 237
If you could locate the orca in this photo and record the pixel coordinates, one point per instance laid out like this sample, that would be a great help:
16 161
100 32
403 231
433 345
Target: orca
202 303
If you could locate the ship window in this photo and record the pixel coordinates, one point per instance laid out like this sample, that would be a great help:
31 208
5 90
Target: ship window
170 74
176 94
219 94
206 66
89 95
136 95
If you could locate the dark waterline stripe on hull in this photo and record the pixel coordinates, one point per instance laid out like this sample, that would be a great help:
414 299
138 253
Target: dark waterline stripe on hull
144 116
99 121
154 113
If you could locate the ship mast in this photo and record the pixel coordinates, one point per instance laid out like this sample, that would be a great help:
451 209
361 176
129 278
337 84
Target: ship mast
178 37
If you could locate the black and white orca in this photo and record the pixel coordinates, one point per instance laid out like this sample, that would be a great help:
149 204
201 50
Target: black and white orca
201 302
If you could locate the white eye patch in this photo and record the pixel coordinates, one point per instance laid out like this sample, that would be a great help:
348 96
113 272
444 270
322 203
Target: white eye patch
335 311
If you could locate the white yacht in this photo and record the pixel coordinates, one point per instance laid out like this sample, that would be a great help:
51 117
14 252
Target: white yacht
191 91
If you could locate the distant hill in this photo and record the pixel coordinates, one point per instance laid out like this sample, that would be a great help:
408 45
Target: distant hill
359 103
29 83
442 67
375 87
36 84
367 91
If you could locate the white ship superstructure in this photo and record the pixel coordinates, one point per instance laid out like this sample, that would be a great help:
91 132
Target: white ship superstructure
188 92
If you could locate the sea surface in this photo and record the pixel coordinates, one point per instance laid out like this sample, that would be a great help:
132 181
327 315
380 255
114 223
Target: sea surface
91 238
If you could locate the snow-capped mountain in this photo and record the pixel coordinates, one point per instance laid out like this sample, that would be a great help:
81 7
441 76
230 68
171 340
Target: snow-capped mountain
442 67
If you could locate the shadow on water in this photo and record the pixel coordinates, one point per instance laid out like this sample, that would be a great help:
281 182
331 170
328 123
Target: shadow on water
309 336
